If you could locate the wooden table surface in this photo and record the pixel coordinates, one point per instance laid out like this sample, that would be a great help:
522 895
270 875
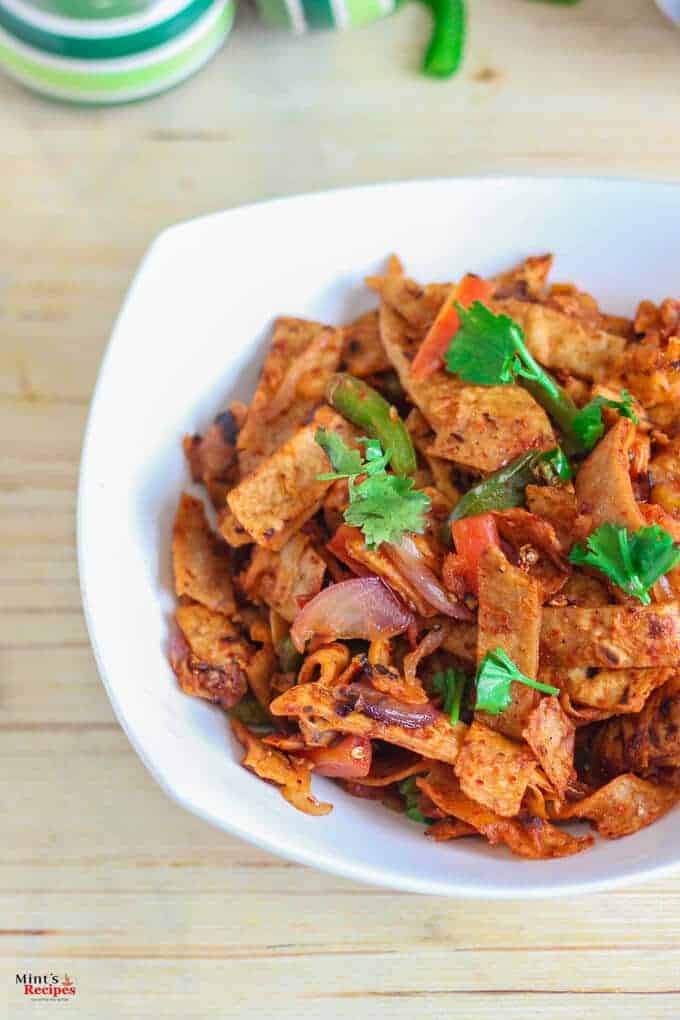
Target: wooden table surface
152 912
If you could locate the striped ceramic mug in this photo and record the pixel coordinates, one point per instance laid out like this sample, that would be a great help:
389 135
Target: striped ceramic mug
301 15
120 60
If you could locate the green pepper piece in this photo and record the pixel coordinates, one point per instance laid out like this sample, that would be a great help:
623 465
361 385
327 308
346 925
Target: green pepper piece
561 408
445 51
503 489
506 487
365 408
552 467
251 713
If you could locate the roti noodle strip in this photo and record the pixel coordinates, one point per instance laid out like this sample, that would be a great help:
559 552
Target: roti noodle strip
440 740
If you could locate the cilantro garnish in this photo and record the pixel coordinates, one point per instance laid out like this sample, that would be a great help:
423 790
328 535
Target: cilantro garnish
588 424
490 350
348 462
494 679
450 683
632 560
411 795
384 506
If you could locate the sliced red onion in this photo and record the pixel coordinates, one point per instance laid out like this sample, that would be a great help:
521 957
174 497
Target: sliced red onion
361 608
410 561
387 710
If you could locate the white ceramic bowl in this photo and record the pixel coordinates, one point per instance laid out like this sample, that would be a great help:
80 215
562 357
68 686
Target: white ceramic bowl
191 335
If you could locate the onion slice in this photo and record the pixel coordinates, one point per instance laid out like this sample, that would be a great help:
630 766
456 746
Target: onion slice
361 698
410 561
361 608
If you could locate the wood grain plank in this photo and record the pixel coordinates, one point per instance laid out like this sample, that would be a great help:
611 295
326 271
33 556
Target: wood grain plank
137 990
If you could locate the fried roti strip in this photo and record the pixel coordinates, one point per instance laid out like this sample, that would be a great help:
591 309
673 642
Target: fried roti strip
643 741
556 504
417 305
603 486
440 469
290 774
392 768
495 771
292 340
461 641
535 839
362 352
200 560
593 695
478 427
449 828
233 533
564 344
439 740
212 456
214 659
611 637
287 579
624 806
526 281
539 551
509 618
551 734
276 500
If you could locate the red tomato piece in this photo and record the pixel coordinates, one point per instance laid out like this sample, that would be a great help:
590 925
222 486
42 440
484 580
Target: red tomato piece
350 758
471 536
430 356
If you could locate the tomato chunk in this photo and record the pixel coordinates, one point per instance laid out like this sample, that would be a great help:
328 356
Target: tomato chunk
471 536
430 356
350 758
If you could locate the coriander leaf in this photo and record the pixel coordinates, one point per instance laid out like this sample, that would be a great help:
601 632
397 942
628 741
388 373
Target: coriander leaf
384 507
490 350
376 461
608 550
654 553
450 683
632 560
347 462
484 350
494 679
588 424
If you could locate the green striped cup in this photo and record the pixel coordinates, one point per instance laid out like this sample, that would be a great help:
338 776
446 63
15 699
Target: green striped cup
302 15
100 40
119 74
